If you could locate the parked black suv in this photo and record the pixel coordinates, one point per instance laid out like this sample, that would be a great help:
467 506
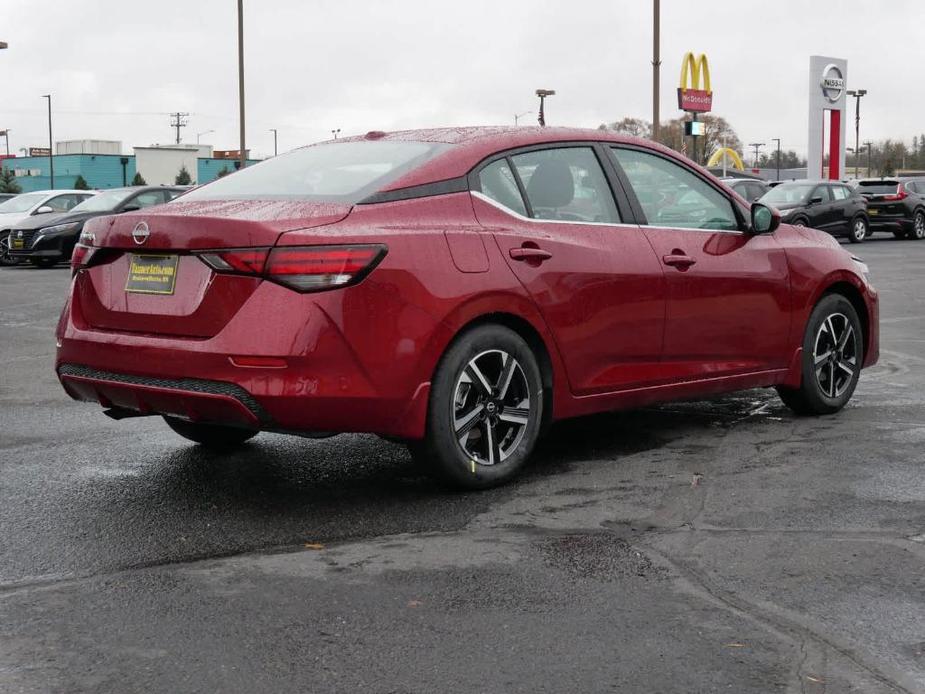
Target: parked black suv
752 189
50 238
896 205
826 205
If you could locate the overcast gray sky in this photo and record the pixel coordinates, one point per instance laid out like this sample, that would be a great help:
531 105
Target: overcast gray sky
116 68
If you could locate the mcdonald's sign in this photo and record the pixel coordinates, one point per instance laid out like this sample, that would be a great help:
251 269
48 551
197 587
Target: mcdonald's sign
694 95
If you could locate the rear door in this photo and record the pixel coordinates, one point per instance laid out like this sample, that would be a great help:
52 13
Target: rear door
594 278
728 290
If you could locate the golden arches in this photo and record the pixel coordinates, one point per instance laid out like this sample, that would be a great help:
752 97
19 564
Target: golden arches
695 67
731 153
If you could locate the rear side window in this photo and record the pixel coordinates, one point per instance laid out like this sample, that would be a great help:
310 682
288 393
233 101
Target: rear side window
566 184
672 196
344 172
497 182
840 193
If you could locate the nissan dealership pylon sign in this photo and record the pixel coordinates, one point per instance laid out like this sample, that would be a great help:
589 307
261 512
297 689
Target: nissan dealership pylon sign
828 79
694 93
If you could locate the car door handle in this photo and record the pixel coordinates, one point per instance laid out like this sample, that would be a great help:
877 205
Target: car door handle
534 254
678 260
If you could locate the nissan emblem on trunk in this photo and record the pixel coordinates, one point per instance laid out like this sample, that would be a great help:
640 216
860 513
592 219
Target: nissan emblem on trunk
140 233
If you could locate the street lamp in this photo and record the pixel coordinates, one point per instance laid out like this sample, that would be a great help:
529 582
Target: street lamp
518 116
857 94
273 130
204 132
51 160
868 143
543 93
243 152
777 140
757 146
335 132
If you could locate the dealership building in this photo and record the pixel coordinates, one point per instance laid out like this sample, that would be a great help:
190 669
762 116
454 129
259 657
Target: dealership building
103 165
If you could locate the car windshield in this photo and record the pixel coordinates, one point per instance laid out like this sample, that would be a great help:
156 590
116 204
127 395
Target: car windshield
878 187
103 202
788 193
22 203
335 172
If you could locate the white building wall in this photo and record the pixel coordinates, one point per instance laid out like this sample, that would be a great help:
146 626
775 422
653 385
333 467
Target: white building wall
160 165
88 147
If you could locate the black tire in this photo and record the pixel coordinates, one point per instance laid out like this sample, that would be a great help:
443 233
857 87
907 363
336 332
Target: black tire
828 389
43 263
917 232
213 436
858 230
800 222
5 257
505 408
899 234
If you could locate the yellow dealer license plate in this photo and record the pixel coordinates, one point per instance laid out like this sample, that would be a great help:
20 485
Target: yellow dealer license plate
873 210
152 274
17 244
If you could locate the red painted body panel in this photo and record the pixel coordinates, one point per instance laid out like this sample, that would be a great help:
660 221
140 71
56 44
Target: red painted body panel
620 328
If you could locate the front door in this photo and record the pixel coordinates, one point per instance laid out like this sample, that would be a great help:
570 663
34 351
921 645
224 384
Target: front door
728 290
595 279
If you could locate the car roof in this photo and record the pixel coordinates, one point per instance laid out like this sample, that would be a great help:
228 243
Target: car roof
470 145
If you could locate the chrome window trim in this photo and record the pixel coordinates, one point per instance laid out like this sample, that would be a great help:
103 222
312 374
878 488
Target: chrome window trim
517 215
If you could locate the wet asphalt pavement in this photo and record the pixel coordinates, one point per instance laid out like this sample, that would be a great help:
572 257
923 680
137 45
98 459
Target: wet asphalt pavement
697 547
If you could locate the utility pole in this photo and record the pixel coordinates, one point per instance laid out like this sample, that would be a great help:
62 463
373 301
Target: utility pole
868 143
777 140
543 93
757 146
51 159
243 151
178 120
273 130
857 94
656 64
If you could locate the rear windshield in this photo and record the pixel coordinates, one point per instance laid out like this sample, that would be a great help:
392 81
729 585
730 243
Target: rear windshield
343 172
878 187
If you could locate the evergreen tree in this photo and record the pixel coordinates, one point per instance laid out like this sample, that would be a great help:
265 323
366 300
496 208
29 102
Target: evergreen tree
139 180
80 183
8 182
183 178
223 172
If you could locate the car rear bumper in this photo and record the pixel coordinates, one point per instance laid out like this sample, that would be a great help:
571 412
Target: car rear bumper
309 376
891 223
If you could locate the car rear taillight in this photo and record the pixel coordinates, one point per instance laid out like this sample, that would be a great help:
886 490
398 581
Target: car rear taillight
900 194
303 268
84 256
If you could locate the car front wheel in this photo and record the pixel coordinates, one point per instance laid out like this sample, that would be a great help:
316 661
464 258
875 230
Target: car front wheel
858 230
485 410
213 436
831 360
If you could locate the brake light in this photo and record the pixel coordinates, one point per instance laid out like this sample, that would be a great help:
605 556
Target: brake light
303 268
900 194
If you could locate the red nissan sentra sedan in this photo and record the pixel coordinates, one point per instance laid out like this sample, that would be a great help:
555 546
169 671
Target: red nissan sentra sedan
457 289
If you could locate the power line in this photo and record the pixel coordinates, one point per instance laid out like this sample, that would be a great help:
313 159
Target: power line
178 120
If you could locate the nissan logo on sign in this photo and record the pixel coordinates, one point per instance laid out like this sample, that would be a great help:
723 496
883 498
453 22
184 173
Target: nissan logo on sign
833 82
140 233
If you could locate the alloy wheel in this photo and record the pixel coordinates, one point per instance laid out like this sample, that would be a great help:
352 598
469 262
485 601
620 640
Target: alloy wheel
919 226
491 407
860 229
835 359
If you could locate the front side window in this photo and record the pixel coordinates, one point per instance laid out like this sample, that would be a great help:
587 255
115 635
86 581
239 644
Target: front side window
497 182
822 193
566 184
672 196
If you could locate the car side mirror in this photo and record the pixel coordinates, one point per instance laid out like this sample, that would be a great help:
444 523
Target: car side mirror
764 219
815 200
44 209
130 208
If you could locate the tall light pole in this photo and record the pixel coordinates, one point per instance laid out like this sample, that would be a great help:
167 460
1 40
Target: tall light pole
857 94
273 130
868 143
51 160
242 153
777 140
518 116
656 63
543 93
204 132
757 146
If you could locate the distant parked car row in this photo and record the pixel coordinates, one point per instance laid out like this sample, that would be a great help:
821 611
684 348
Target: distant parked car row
42 227
854 210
